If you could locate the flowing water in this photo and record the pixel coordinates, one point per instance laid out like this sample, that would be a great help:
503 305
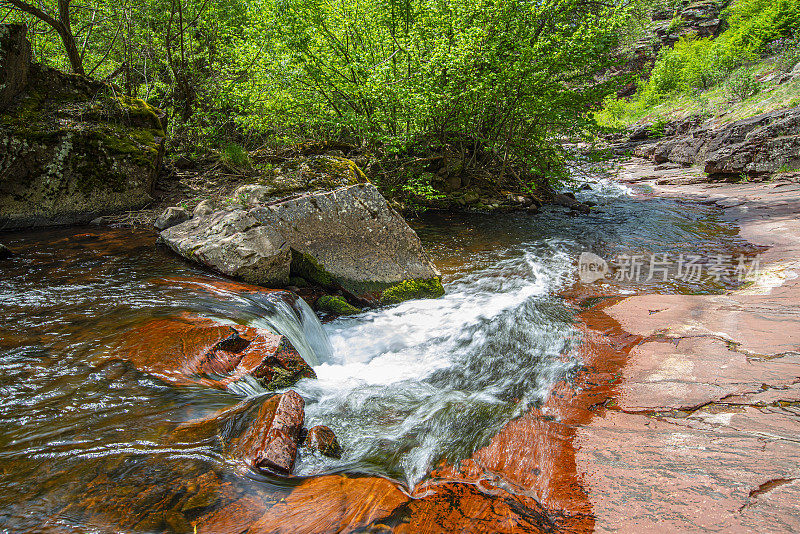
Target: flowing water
403 387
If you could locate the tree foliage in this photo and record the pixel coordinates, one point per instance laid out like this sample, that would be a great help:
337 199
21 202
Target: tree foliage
509 75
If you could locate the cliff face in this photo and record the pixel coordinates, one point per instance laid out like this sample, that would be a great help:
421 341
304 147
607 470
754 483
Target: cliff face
72 148
702 18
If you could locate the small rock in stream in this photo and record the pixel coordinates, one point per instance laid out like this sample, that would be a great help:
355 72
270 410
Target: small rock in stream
271 441
323 439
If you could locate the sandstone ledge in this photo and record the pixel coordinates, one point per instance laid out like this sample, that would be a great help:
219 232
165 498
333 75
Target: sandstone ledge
701 432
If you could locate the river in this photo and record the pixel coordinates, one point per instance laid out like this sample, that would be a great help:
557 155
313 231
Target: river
405 387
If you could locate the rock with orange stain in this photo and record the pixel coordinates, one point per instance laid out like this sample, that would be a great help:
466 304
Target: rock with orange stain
188 349
262 432
463 507
323 439
233 518
271 441
332 503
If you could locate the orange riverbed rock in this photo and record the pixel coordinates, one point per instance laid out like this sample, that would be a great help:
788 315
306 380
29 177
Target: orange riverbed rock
187 349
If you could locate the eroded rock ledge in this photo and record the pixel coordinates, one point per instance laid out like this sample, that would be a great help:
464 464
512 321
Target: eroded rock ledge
757 146
70 148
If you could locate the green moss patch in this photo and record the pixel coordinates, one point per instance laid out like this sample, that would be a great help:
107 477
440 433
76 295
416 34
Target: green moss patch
336 305
306 266
413 289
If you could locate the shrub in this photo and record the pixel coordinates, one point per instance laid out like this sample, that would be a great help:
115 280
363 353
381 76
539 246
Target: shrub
694 64
658 128
753 24
676 24
742 84
786 51
235 156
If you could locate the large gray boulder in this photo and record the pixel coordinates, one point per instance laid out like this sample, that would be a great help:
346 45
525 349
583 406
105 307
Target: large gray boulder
72 150
346 239
233 243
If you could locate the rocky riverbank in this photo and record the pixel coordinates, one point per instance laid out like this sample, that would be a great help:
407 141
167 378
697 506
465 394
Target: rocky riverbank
699 429
73 147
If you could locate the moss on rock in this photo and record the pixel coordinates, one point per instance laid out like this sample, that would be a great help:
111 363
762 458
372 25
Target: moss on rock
413 289
306 266
75 151
336 305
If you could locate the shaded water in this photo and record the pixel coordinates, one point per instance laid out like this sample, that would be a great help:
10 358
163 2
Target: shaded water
403 387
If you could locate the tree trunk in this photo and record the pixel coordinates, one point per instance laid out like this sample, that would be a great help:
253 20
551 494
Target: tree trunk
72 52
65 31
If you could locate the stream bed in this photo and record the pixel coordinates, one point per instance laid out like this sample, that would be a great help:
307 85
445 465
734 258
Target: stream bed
406 387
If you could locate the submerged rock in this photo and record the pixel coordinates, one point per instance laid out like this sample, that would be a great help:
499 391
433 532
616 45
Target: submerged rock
5 252
73 149
196 350
568 201
347 239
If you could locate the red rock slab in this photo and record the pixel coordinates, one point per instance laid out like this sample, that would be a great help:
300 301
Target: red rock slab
187 349
758 324
703 434
767 422
466 507
684 373
235 518
647 475
171 346
329 504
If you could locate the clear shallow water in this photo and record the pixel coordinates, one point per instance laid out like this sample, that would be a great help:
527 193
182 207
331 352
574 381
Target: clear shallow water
403 387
